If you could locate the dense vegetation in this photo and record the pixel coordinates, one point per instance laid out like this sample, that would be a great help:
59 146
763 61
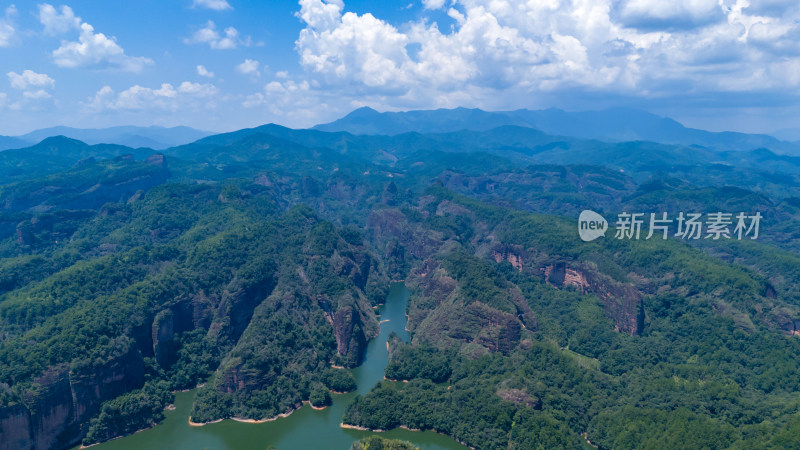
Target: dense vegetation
379 443
252 262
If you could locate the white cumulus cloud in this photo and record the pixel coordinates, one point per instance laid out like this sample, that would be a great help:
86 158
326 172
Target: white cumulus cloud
197 90
166 97
58 23
209 35
501 52
29 78
433 4
37 94
8 32
203 72
91 48
249 67
216 5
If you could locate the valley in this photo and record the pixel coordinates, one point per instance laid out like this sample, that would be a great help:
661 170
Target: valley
256 263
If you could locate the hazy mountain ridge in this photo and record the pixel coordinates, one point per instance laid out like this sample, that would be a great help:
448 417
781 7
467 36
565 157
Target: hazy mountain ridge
130 136
616 124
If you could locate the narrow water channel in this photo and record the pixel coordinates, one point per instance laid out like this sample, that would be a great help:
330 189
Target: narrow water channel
304 429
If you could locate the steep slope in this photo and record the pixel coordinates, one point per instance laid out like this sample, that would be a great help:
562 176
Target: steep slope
183 267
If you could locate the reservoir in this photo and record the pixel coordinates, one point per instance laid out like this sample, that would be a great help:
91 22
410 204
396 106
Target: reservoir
304 429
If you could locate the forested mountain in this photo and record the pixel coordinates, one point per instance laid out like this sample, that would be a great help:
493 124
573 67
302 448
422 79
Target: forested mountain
252 262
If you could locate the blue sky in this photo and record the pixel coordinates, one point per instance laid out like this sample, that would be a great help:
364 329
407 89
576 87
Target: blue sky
221 65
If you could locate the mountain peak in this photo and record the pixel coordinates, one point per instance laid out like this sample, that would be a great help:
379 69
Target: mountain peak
60 140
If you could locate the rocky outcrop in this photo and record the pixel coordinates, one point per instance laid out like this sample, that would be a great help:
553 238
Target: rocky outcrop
49 419
236 308
431 286
25 235
622 302
519 397
401 241
50 227
15 427
351 341
169 324
51 413
787 320
524 312
92 384
511 253
454 324
57 409
163 334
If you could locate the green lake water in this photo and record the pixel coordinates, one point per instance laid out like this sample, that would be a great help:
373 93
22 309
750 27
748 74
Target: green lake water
306 428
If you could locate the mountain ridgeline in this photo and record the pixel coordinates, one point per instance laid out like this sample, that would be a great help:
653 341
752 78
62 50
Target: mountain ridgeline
251 264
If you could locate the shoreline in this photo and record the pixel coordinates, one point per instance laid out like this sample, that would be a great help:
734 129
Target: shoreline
356 427
202 424
316 408
415 430
122 436
252 421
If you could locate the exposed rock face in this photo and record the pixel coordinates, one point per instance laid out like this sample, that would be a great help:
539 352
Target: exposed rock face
524 312
50 227
54 423
66 398
447 207
389 195
350 338
393 233
157 160
15 427
236 308
455 324
512 254
167 326
519 397
434 286
163 334
787 321
93 385
25 234
233 380
622 302
439 316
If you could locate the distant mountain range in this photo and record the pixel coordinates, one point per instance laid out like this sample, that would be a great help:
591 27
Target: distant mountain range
610 125
615 125
157 138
